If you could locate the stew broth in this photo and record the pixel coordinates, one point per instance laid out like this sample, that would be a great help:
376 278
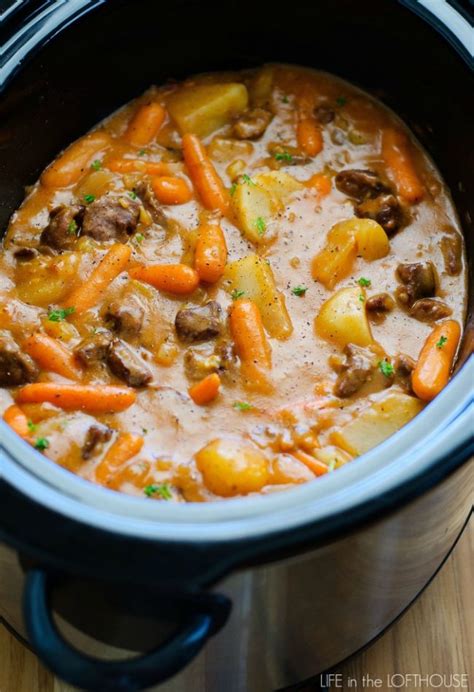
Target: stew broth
231 285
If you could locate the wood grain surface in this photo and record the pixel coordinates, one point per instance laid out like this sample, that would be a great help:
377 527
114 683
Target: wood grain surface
435 636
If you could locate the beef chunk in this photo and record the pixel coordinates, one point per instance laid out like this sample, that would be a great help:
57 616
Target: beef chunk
62 230
111 218
355 371
252 125
324 114
359 184
127 365
93 349
151 204
126 317
199 323
15 367
385 209
429 310
199 364
451 247
404 366
380 303
419 281
95 437
226 353
285 155
25 254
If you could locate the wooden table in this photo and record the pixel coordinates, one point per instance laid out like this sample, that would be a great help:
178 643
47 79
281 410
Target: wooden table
435 636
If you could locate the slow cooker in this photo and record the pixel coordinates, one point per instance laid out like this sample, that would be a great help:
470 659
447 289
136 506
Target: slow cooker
254 593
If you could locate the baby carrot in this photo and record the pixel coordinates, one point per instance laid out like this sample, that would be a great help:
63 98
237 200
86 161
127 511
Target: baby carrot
251 343
210 255
309 135
90 292
206 390
314 465
91 398
308 130
171 190
204 176
174 278
52 355
436 358
144 125
138 166
321 183
124 448
16 419
396 153
73 163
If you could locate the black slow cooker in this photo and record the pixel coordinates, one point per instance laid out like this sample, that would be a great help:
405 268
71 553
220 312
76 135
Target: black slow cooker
254 593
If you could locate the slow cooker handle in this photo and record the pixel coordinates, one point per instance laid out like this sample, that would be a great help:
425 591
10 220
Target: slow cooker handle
209 614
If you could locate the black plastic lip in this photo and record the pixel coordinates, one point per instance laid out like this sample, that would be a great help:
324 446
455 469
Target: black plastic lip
37 27
441 28
41 24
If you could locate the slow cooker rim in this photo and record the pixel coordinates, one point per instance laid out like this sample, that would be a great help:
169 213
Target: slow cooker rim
74 12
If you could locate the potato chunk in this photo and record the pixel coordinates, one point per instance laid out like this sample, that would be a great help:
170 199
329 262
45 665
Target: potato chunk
257 199
335 260
204 108
254 277
372 241
232 467
343 320
377 422
253 207
47 280
279 184
345 241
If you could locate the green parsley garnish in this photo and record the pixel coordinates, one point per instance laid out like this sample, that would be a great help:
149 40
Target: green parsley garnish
236 294
42 443
341 101
283 156
441 342
31 426
96 165
242 406
144 431
361 297
386 368
89 198
364 282
142 152
72 227
299 290
139 237
260 225
163 490
285 99
247 179
60 314
132 194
